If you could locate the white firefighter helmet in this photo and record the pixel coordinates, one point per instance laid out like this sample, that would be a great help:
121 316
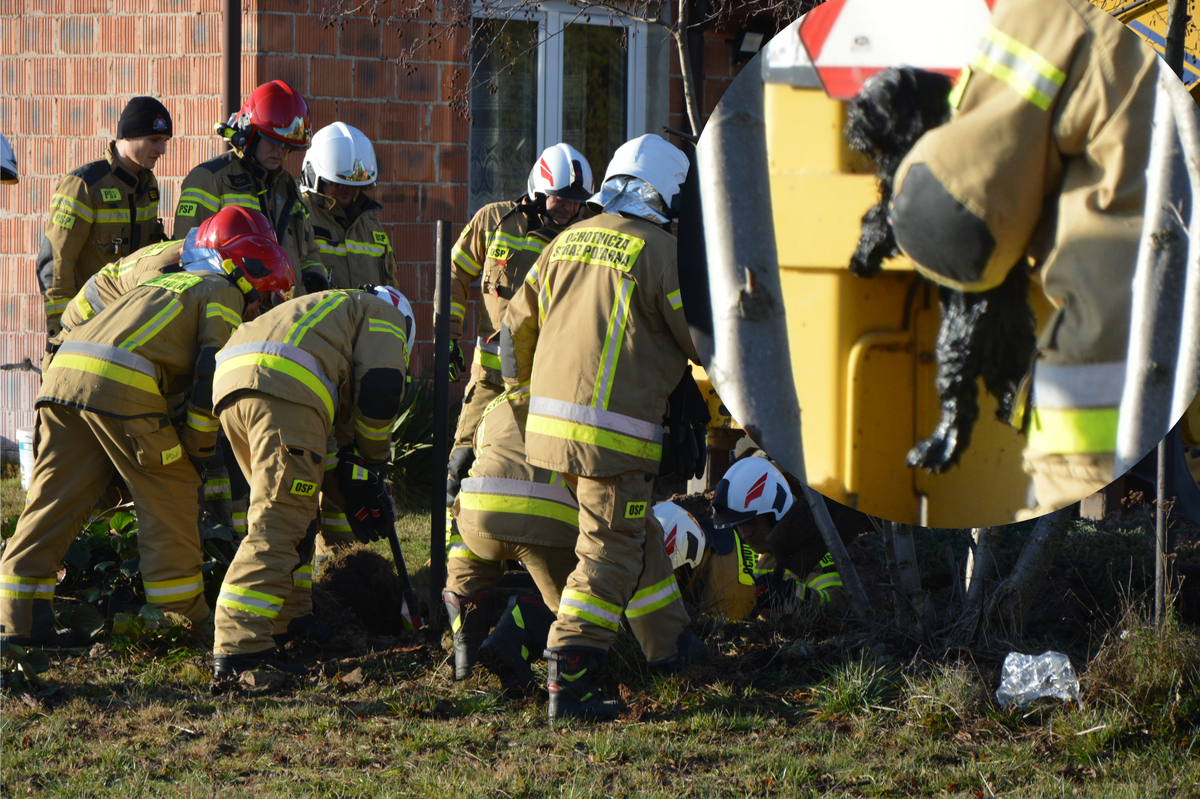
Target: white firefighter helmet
341 154
751 487
561 171
654 160
8 162
685 538
401 304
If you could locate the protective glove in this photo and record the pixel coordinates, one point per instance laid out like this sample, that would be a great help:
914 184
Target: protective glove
458 467
771 592
314 281
369 509
685 426
458 363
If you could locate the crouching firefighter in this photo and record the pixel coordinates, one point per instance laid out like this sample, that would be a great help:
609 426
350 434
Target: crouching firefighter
104 407
753 498
510 510
608 286
498 247
282 384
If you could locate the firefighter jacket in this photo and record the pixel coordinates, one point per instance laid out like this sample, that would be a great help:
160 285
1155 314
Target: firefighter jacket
230 179
352 243
604 299
343 353
515 501
114 280
1048 142
99 213
155 342
497 249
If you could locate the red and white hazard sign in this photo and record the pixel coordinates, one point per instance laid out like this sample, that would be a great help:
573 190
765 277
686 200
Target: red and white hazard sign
850 40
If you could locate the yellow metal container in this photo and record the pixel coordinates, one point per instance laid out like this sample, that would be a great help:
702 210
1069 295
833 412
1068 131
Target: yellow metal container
1149 20
863 349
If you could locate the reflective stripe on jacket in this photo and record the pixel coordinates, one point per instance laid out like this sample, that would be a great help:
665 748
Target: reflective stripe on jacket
353 245
148 344
99 213
342 353
498 254
507 499
604 297
114 280
230 179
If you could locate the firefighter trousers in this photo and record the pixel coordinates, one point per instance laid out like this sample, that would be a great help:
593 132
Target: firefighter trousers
655 613
280 446
1062 480
619 570
76 453
478 396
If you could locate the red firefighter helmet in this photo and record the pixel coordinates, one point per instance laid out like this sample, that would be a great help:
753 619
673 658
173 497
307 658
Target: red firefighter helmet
278 112
250 253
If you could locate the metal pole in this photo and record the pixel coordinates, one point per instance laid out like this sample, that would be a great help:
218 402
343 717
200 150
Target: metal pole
1160 537
441 427
231 57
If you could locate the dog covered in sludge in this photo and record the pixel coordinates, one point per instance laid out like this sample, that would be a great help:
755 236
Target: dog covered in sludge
988 334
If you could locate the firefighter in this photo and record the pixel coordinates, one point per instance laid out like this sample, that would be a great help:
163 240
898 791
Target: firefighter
1045 156
752 497
597 331
104 407
282 384
8 163
337 170
273 122
112 282
510 510
501 243
104 210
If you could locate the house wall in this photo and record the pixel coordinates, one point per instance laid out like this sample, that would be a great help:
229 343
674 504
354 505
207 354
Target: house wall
67 68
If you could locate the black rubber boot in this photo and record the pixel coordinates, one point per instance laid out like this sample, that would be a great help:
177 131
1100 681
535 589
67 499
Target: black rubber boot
228 666
304 628
468 624
689 650
519 638
575 685
44 632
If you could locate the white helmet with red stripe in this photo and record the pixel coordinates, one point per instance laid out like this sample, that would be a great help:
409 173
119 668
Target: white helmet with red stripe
685 539
401 304
561 171
751 487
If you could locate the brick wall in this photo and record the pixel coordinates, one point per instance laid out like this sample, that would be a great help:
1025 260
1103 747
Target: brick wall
67 68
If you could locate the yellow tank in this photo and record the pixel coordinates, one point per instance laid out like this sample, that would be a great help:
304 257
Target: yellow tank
1148 19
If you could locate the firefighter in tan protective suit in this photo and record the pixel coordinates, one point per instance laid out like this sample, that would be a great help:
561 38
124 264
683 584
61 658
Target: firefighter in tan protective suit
273 122
113 281
105 405
510 510
104 210
337 169
282 384
598 332
1045 156
498 247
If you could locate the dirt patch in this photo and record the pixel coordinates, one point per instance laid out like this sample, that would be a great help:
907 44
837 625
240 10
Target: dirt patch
360 586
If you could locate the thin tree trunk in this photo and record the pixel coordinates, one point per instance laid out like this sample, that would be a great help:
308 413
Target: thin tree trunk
841 558
1177 20
981 569
685 68
905 618
910 577
1009 606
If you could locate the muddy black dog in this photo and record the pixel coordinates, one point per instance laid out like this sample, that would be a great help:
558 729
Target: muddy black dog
987 334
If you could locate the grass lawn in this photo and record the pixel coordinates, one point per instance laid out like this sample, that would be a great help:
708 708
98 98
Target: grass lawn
805 708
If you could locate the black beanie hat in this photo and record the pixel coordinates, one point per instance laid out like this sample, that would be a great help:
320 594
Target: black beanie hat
144 116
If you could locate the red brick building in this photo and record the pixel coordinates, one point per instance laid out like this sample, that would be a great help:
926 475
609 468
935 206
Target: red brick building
67 68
